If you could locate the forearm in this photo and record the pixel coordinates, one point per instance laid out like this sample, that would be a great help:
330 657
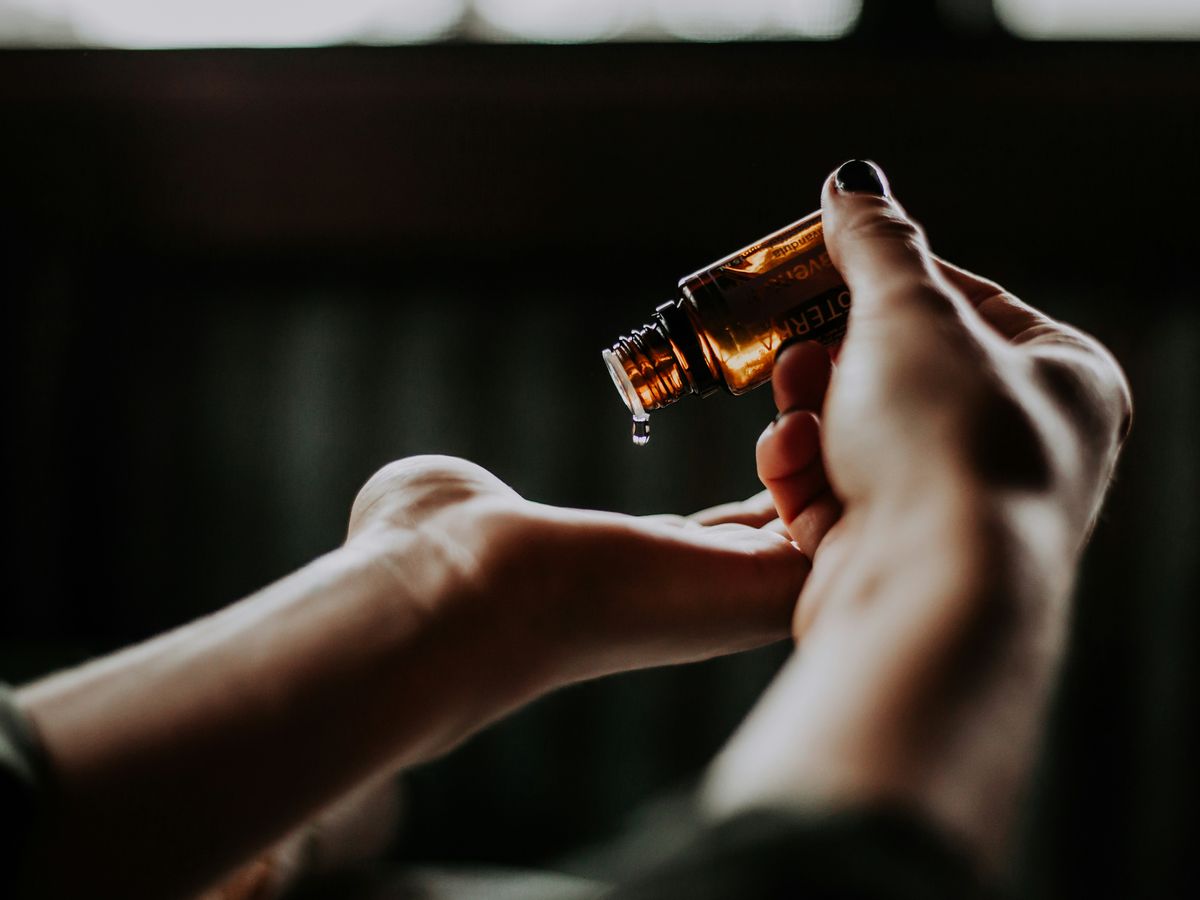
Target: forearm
931 648
199 748
357 827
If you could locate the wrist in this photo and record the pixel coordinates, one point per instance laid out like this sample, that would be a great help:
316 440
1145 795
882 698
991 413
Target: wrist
963 535
952 621
466 577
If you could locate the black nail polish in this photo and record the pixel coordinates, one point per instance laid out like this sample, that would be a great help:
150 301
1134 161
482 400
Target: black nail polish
791 342
860 176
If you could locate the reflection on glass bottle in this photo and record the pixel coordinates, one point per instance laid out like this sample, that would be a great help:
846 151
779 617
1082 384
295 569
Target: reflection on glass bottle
729 321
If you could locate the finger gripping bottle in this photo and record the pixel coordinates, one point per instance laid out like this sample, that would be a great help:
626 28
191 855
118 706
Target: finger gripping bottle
729 321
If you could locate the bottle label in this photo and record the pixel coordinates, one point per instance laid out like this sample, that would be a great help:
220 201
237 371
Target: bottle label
780 288
823 318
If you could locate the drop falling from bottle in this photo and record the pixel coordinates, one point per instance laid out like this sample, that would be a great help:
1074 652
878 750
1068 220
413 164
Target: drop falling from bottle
641 429
641 418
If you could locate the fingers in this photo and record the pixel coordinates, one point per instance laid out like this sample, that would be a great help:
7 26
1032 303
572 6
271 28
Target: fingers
1013 319
790 465
742 584
880 252
1075 368
789 457
776 526
799 382
1020 323
754 511
886 262
922 307
801 377
789 450
668 595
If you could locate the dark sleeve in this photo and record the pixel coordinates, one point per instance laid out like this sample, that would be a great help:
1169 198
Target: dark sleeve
22 781
870 854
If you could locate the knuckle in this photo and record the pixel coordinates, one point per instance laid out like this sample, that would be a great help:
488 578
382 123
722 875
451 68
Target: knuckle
1117 391
890 225
1064 380
926 305
421 483
926 295
1087 384
414 471
1125 408
1007 448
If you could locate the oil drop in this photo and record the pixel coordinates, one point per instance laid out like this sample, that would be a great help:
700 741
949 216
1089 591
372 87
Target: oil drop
641 429
641 418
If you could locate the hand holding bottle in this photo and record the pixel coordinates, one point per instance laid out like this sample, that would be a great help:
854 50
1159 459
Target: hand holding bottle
966 441
947 388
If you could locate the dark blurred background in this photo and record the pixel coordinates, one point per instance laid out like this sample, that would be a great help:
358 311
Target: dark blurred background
237 281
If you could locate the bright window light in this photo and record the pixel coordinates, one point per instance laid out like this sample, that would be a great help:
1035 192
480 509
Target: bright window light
718 20
558 21
242 23
711 19
1105 19
279 23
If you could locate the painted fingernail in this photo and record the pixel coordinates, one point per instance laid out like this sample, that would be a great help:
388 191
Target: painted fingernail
792 342
860 176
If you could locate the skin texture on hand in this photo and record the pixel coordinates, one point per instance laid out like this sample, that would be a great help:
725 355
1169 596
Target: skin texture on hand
944 477
566 594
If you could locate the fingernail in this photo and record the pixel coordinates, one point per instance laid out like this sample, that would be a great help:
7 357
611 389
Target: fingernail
860 176
792 342
783 412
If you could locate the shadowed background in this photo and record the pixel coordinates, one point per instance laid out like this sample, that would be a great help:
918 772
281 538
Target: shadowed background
236 282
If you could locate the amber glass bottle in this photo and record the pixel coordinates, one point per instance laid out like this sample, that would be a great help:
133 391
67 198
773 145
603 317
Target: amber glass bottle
729 321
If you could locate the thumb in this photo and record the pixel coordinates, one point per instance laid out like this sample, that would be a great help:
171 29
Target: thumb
880 252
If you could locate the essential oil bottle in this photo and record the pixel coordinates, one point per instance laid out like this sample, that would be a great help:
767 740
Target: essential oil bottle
729 321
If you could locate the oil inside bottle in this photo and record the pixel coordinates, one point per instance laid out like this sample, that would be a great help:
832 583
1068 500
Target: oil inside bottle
728 321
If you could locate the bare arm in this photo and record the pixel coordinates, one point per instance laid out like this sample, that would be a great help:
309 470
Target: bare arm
192 750
452 601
